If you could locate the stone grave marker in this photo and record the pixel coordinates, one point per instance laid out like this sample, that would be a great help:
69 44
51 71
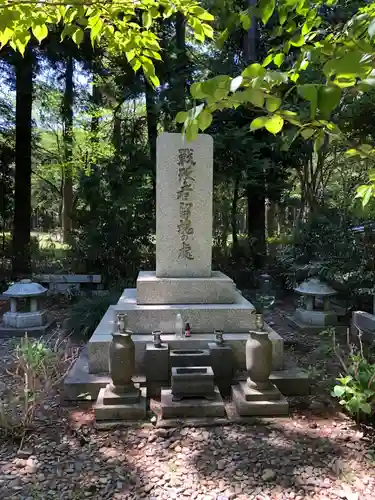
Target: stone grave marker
184 206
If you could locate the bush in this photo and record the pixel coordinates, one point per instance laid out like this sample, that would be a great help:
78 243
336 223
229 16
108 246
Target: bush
355 389
326 246
87 312
38 367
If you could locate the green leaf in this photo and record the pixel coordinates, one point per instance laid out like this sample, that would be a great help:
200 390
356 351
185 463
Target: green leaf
371 29
328 99
255 96
266 8
96 30
77 36
194 112
258 123
338 391
366 408
196 91
310 93
297 40
181 117
278 59
201 13
146 19
245 20
253 70
204 119
154 80
236 83
191 130
273 103
40 32
367 195
267 60
319 141
307 133
274 124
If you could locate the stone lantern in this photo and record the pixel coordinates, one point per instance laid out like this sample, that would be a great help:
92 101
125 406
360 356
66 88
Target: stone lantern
31 318
317 309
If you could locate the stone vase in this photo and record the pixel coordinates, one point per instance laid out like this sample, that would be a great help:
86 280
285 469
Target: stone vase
122 361
258 359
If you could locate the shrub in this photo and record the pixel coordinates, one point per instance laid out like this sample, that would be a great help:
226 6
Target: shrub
87 312
355 389
38 367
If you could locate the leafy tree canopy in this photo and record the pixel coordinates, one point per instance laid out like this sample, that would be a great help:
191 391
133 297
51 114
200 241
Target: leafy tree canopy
122 25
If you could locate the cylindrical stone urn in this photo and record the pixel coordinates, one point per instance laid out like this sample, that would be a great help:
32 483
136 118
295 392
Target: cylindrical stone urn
258 359
122 360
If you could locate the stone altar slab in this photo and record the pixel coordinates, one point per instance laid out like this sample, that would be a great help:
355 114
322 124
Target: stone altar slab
184 184
236 317
216 289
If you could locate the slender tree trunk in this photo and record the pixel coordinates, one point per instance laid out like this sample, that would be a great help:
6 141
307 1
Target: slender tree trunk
256 223
21 263
152 130
234 216
182 65
67 111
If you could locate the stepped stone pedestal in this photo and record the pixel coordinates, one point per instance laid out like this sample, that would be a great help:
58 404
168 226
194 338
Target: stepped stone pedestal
255 402
113 406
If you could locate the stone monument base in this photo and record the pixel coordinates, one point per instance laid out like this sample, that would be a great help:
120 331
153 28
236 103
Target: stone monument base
301 326
216 289
24 319
263 403
191 407
116 407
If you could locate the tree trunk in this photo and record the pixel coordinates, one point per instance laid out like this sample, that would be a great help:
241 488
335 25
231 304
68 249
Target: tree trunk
182 64
67 112
234 216
21 263
256 224
152 130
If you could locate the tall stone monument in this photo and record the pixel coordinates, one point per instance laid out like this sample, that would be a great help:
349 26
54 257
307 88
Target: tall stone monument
184 207
183 282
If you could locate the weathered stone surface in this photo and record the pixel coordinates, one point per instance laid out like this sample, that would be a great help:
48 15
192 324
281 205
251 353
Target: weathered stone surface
271 408
173 197
157 363
222 360
191 408
189 357
25 319
121 412
217 289
197 381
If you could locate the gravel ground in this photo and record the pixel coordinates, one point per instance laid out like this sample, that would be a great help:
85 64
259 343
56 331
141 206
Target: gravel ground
315 454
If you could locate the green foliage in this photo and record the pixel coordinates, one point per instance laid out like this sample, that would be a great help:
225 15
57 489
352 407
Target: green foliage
356 391
87 312
327 244
116 24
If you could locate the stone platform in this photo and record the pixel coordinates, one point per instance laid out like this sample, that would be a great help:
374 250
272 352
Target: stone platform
98 346
250 402
80 385
135 410
301 326
33 331
238 316
191 407
217 289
